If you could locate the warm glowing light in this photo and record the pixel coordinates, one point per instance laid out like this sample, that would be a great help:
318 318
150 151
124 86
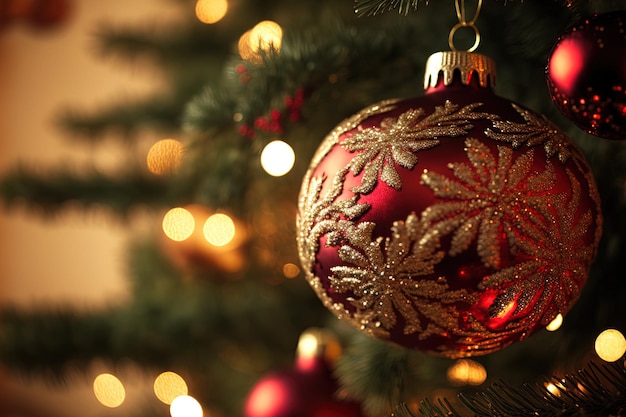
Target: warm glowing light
466 372
219 229
610 345
262 37
270 397
308 345
265 35
185 406
277 158
178 224
211 11
556 323
245 50
291 270
554 389
164 157
109 390
565 64
168 386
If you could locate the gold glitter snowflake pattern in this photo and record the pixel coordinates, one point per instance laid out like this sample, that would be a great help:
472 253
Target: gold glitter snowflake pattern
349 124
323 216
556 270
536 131
382 279
487 197
397 139
318 215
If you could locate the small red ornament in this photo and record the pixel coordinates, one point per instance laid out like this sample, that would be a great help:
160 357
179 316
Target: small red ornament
586 74
306 390
455 223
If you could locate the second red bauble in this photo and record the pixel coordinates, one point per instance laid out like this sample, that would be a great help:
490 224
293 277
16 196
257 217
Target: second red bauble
455 223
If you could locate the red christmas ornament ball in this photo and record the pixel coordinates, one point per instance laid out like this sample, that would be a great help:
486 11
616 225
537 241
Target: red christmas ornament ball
308 389
586 74
455 223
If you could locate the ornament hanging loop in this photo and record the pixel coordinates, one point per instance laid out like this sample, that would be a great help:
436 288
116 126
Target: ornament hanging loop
464 23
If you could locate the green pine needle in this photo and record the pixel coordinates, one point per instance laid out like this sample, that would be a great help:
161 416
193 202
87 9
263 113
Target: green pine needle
374 7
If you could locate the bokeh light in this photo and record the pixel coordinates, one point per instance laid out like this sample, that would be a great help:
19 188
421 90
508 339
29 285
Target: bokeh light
164 157
554 389
219 229
178 224
262 37
168 386
610 345
277 158
291 270
556 323
185 406
466 372
211 11
265 35
245 50
109 390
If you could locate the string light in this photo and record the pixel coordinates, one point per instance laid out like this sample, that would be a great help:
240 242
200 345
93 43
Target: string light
277 158
466 372
109 390
556 323
168 386
185 406
610 345
262 37
219 229
211 11
265 35
290 270
178 224
164 157
554 389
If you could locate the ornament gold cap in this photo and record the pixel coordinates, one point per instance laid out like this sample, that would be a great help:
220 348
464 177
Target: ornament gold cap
466 63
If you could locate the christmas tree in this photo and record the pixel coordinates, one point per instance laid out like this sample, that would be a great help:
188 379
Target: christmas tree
219 294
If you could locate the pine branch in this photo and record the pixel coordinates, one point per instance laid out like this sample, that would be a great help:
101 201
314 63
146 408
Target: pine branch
126 119
597 390
374 7
53 191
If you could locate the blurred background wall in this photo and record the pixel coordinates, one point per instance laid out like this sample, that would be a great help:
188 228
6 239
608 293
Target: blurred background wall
72 259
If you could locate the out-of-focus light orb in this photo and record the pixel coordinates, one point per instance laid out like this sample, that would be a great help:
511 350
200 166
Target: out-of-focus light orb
556 323
185 406
164 157
245 50
211 11
554 389
466 372
178 224
262 37
109 390
290 270
265 35
610 345
168 386
277 158
219 229
308 345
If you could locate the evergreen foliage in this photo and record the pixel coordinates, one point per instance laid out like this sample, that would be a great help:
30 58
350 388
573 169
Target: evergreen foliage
227 329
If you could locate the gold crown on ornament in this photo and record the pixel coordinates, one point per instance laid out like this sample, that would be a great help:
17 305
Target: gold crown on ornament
466 63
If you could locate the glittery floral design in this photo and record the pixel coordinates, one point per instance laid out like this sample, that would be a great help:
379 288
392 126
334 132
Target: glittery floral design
382 278
557 265
487 197
397 139
536 131
323 215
